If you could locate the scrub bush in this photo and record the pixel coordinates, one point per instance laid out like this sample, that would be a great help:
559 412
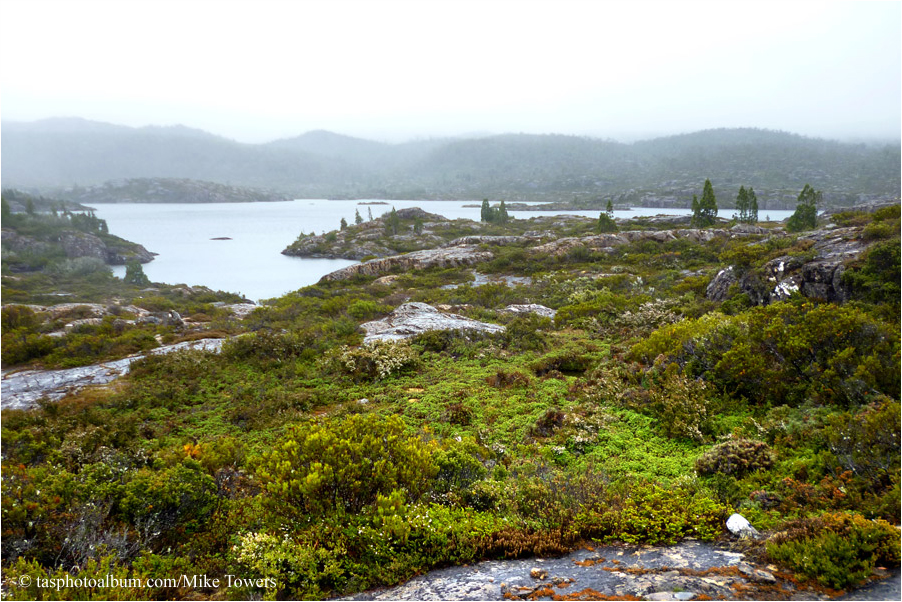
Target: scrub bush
374 361
735 457
343 466
838 549
655 515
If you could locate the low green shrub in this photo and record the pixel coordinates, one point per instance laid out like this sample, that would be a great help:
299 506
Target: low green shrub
288 567
343 465
655 515
837 549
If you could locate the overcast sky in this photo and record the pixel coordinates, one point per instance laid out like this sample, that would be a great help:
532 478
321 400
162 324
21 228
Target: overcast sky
393 70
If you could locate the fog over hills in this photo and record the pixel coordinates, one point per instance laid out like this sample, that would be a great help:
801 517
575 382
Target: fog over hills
54 154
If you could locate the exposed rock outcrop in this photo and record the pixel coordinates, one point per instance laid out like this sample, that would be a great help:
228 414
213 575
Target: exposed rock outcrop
491 240
411 319
22 390
819 276
602 242
79 244
449 257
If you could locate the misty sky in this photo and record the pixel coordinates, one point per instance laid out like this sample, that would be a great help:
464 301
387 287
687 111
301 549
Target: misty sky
393 70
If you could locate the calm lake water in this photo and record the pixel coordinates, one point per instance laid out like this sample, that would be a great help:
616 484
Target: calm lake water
251 263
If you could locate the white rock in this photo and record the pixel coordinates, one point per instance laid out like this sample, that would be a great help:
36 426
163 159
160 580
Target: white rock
738 525
411 319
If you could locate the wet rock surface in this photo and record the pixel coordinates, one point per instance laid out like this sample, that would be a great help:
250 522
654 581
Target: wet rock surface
22 390
411 319
687 571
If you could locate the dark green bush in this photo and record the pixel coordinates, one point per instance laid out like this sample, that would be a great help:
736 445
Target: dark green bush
735 457
875 276
867 443
784 353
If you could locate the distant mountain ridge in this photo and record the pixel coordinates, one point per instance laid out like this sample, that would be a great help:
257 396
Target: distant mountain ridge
61 153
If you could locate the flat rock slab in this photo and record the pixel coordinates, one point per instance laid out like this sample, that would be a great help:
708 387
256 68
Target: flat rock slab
411 319
22 390
685 571
531 308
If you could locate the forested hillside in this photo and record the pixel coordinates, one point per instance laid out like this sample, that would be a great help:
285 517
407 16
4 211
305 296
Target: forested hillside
55 155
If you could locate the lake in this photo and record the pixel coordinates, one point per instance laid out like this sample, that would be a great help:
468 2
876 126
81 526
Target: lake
250 261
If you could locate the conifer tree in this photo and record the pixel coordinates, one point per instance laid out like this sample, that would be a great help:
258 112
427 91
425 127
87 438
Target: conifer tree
357 219
503 217
704 211
605 223
753 207
134 274
486 213
393 222
805 216
369 213
343 224
742 206
610 209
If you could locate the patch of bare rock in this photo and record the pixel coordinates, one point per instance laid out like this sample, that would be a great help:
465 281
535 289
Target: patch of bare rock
22 390
411 319
531 308
607 242
80 244
448 257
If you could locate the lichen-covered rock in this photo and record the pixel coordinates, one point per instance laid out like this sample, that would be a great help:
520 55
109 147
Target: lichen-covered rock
22 390
719 286
411 319
819 277
489 240
450 257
